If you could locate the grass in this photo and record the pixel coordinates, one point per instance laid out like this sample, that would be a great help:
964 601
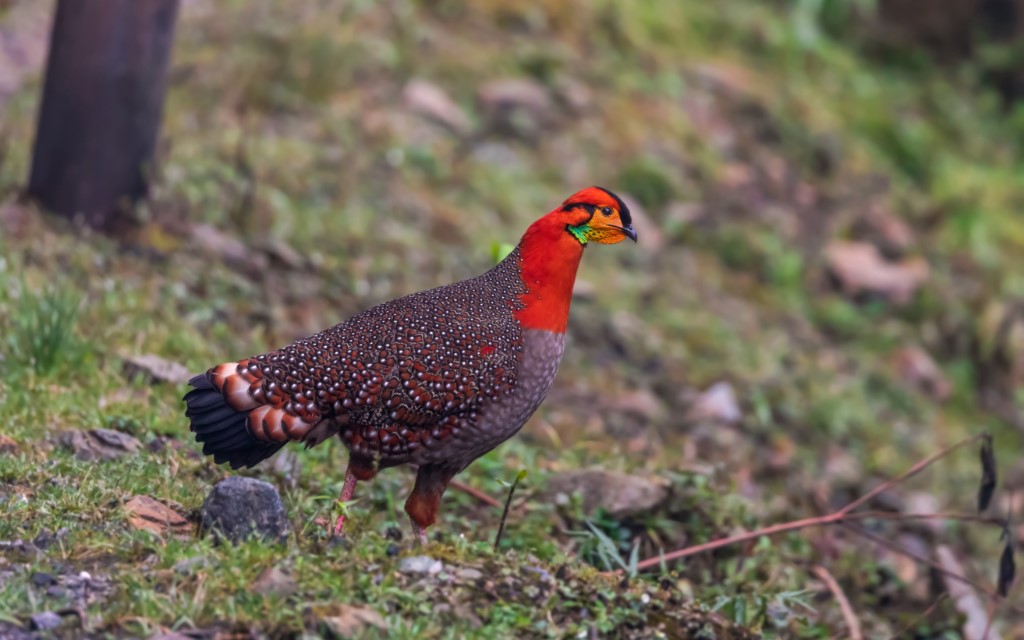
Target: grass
769 133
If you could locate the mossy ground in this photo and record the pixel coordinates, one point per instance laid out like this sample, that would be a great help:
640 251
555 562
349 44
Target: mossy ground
749 136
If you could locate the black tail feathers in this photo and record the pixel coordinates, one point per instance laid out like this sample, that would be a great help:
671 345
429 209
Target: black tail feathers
221 429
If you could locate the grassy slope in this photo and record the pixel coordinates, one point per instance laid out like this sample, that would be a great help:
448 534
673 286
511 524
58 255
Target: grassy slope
287 121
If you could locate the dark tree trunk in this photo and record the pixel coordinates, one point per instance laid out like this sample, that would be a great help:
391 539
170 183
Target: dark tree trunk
101 107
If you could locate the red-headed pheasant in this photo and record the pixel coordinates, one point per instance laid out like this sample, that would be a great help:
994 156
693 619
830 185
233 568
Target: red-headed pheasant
436 378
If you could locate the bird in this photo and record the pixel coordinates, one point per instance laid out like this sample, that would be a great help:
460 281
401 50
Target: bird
434 379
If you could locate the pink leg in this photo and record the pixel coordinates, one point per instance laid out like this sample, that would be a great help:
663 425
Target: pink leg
419 532
346 494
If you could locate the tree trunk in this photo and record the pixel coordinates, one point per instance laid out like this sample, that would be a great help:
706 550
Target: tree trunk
101 107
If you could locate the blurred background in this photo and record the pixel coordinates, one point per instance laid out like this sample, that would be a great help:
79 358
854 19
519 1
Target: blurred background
828 287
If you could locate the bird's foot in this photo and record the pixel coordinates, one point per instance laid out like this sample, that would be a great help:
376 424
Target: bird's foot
339 525
420 533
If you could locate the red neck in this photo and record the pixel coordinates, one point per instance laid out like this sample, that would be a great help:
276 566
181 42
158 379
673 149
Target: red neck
550 257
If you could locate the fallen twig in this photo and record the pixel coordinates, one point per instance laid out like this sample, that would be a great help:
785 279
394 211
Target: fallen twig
458 485
816 521
912 471
852 622
892 546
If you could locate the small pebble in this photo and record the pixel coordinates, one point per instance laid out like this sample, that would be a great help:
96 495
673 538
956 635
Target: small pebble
41 579
420 564
45 621
468 574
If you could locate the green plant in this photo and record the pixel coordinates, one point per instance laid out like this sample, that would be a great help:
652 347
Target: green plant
41 330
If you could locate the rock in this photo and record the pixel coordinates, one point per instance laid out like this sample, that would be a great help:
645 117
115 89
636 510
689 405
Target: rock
717 404
45 538
45 621
914 366
618 494
99 444
429 100
43 579
347 621
859 268
155 369
420 564
240 507
468 574
275 582
642 403
517 106
148 514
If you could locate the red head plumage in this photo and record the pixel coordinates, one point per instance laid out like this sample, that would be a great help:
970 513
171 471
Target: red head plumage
552 247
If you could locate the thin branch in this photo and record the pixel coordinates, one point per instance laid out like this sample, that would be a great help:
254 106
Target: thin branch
943 516
816 521
776 529
892 546
852 622
912 471
475 493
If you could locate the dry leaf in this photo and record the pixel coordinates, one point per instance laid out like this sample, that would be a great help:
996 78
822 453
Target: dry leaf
149 514
988 474
275 582
346 621
1007 569
860 269
99 444
916 367
8 445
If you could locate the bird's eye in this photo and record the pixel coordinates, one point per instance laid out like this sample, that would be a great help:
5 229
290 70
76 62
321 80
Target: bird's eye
606 211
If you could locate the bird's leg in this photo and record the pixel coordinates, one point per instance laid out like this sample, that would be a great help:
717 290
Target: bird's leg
425 499
358 469
347 490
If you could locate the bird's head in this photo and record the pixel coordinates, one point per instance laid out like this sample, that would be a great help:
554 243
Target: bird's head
596 214
551 249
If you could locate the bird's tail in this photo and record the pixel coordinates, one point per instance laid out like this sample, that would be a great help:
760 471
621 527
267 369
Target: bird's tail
223 429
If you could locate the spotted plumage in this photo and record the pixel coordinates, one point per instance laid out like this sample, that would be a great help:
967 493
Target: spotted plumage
436 378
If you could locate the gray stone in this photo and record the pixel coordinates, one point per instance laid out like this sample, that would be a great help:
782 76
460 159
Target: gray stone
45 621
420 564
468 574
618 494
239 508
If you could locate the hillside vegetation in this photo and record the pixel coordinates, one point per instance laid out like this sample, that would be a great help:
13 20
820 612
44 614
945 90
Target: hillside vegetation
827 289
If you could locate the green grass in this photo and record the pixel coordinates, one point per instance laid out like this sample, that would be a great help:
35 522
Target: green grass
286 121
